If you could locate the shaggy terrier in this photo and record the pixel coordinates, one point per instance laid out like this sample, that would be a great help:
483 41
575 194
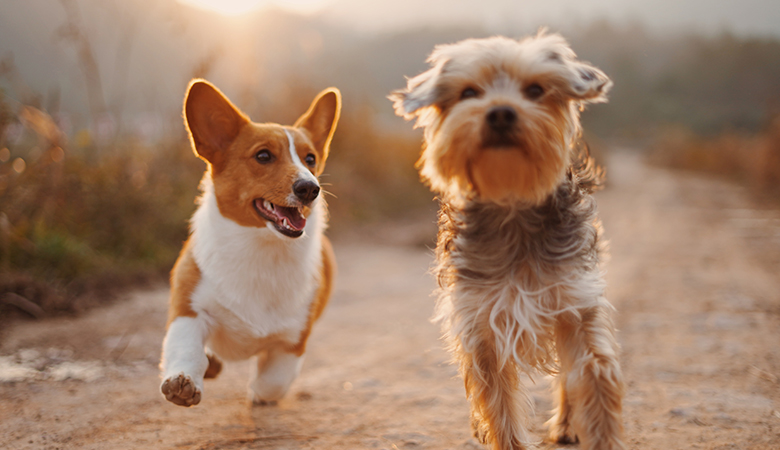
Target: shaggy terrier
519 239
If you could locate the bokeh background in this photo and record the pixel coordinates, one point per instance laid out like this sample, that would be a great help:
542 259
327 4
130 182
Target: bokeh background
97 179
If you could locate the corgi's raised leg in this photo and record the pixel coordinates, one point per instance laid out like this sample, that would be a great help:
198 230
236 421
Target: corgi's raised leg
184 360
273 374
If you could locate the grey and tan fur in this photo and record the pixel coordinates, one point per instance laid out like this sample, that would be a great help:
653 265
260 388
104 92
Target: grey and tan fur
521 290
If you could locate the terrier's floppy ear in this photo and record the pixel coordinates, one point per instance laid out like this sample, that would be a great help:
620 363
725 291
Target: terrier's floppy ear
586 83
421 91
576 80
212 120
321 119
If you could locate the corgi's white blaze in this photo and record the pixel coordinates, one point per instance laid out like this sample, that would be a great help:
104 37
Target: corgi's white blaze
303 172
254 281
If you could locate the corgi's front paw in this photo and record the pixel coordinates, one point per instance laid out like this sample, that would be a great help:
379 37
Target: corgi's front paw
181 390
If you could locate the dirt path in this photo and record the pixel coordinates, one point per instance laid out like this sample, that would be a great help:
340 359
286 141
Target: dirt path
694 275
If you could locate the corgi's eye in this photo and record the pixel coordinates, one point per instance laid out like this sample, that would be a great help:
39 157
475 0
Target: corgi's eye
264 156
534 91
310 160
468 93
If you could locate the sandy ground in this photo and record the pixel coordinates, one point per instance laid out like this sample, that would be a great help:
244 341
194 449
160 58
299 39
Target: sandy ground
693 274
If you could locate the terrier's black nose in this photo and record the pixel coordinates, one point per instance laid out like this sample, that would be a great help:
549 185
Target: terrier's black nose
501 118
306 190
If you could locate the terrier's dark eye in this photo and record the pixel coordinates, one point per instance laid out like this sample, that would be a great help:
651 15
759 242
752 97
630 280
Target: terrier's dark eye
534 91
310 160
264 156
468 93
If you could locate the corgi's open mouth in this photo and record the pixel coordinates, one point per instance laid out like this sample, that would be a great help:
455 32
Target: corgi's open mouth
287 220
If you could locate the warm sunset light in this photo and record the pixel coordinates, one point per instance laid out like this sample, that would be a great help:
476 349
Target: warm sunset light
237 7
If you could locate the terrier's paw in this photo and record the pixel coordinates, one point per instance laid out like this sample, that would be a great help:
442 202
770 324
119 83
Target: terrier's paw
181 390
479 429
562 434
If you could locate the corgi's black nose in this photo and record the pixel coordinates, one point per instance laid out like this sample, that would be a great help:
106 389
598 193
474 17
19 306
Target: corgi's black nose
306 190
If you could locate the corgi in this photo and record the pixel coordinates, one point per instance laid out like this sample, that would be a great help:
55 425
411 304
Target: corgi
257 270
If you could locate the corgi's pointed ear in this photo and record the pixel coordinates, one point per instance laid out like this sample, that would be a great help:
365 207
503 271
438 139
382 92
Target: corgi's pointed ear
212 121
321 119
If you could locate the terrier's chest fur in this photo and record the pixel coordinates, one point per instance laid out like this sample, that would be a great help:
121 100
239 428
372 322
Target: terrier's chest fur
520 269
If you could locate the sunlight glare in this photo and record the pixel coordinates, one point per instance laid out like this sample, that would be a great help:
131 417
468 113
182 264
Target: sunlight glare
238 7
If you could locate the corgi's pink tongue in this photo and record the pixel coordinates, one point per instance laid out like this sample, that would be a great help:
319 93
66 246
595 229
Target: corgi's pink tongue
284 217
295 219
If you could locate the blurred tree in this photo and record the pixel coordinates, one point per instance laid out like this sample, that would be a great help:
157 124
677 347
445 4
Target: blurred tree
73 31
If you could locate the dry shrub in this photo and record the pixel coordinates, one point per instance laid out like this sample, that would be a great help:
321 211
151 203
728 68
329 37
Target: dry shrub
750 159
767 162
84 222
78 228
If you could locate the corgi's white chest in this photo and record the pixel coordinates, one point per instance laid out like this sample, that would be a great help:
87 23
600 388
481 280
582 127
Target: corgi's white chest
254 280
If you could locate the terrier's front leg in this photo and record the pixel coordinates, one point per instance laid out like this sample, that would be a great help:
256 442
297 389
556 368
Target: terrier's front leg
184 361
561 431
273 376
499 404
591 385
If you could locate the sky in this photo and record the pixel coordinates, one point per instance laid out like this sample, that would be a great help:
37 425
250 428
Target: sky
237 7
753 17
744 17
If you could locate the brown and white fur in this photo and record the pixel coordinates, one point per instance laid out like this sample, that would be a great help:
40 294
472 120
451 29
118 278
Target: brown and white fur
256 271
519 240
